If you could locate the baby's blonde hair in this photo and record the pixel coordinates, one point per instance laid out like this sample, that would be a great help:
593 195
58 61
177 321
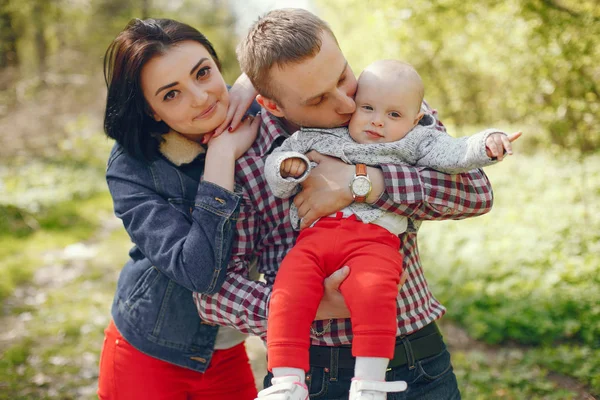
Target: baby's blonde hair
402 71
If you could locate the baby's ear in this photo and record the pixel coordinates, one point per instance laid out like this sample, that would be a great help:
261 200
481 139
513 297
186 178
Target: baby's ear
418 118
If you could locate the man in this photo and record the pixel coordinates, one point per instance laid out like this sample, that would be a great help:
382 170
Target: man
303 79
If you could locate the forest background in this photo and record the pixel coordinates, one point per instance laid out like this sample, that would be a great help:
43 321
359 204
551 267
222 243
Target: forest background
521 284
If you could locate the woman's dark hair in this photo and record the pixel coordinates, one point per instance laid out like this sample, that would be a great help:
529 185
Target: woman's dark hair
127 118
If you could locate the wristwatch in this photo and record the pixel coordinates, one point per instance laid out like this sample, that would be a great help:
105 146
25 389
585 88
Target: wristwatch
360 185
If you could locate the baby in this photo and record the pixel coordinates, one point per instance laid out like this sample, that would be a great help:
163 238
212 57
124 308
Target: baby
388 127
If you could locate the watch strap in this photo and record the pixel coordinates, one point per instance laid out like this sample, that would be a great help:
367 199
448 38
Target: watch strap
361 170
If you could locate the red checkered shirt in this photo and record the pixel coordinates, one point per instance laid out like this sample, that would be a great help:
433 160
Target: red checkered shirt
265 235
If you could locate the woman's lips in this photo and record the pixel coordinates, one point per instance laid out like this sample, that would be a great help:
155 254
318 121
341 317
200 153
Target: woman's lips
207 112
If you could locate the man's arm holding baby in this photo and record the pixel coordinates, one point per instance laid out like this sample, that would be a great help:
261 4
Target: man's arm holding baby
414 192
243 302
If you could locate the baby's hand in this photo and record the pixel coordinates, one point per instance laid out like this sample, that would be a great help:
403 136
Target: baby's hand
293 167
498 143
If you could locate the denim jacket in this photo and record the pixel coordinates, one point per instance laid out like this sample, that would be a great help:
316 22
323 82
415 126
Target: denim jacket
183 230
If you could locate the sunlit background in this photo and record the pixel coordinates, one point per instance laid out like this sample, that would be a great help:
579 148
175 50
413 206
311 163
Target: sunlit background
522 284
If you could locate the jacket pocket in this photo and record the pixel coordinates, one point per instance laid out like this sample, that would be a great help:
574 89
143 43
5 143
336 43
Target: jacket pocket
143 284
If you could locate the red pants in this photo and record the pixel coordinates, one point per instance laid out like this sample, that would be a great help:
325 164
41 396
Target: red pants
128 374
370 291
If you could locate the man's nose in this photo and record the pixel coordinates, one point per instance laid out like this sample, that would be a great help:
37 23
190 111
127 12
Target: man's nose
346 104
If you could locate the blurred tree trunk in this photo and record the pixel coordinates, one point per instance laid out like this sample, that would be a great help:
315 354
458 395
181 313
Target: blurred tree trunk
145 9
8 39
41 47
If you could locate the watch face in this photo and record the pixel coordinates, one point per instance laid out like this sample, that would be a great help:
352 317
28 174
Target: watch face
361 186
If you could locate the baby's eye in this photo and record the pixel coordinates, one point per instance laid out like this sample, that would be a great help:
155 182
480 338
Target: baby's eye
367 108
395 114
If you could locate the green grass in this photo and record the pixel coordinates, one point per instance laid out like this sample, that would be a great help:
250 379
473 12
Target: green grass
504 375
58 353
65 223
529 271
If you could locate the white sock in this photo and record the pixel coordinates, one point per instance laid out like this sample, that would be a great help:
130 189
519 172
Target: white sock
371 368
283 371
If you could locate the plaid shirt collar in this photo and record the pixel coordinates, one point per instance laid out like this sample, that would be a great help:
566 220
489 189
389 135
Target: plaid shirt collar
272 133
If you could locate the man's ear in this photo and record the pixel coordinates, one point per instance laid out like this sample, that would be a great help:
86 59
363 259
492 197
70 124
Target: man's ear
270 105
418 117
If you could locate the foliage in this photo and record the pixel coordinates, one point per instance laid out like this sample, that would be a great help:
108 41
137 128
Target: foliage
65 36
49 202
581 362
526 62
529 270
60 327
23 244
503 375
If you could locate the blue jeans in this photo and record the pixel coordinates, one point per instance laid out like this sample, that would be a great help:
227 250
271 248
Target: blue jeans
428 379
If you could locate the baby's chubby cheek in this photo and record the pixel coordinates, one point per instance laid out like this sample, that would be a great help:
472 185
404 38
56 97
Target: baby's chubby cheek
355 130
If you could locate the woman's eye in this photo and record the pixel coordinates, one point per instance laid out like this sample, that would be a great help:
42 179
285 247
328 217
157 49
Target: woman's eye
170 95
203 72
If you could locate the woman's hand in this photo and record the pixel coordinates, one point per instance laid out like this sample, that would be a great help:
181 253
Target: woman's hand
238 141
241 96
219 166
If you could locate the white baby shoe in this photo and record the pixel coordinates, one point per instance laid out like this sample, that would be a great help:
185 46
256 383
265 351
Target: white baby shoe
285 388
361 389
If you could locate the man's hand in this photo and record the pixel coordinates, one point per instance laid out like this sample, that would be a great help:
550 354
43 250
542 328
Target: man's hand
497 143
325 191
332 304
293 167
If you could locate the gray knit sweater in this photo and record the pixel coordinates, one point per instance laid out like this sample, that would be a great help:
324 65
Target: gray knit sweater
423 146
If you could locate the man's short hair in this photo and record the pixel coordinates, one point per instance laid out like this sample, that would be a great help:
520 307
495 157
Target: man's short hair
280 37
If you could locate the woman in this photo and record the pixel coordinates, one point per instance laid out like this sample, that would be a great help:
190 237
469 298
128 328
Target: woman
176 198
